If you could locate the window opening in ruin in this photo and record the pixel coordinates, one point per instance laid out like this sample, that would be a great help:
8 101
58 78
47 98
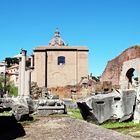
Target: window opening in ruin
132 77
100 102
61 60
106 89
117 99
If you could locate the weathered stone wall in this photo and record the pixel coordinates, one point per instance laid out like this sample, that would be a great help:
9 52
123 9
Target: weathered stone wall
61 75
113 69
82 65
38 74
48 73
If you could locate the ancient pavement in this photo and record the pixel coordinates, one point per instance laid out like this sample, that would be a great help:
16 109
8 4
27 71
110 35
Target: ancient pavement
66 128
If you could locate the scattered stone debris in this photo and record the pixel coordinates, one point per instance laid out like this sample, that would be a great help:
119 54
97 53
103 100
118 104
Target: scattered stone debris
35 91
117 105
23 106
70 104
31 98
50 104
20 107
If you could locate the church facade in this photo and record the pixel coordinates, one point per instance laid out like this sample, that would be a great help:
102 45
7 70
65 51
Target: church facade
58 65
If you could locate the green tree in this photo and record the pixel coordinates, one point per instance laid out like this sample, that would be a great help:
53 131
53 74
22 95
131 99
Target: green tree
10 61
28 63
13 90
136 78
7 86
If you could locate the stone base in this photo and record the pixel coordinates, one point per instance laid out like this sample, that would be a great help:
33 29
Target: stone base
48 110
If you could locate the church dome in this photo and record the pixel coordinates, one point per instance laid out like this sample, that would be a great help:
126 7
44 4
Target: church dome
56 41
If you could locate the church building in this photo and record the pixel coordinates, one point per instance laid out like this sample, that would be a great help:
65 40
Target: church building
58 65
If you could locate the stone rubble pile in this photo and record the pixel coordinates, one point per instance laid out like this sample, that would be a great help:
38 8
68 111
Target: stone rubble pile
35 91
46 103
50 104
24 106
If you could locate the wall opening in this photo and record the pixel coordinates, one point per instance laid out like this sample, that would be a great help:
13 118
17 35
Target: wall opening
132 77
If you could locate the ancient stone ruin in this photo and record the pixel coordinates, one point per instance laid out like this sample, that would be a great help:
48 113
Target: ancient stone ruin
121 105
50 104
121 69
40 102
120 98
22 105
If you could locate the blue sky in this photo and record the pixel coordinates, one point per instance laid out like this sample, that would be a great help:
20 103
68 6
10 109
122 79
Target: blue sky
107 27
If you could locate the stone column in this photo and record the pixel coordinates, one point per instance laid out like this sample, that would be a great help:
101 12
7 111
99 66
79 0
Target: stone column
32 61
19 78
27 83
23 67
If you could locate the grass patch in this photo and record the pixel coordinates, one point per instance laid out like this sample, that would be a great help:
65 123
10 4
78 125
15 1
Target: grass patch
75 113
6 113
115 125
128 128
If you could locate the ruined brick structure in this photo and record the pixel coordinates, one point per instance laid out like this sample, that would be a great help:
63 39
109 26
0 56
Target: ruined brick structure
117 69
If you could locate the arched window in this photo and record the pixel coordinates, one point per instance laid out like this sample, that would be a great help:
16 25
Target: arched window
130 74
132 77
61 60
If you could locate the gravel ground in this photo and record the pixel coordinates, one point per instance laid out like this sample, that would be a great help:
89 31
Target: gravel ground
66 128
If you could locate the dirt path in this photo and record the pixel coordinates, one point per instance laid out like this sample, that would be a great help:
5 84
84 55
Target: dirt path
66 128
